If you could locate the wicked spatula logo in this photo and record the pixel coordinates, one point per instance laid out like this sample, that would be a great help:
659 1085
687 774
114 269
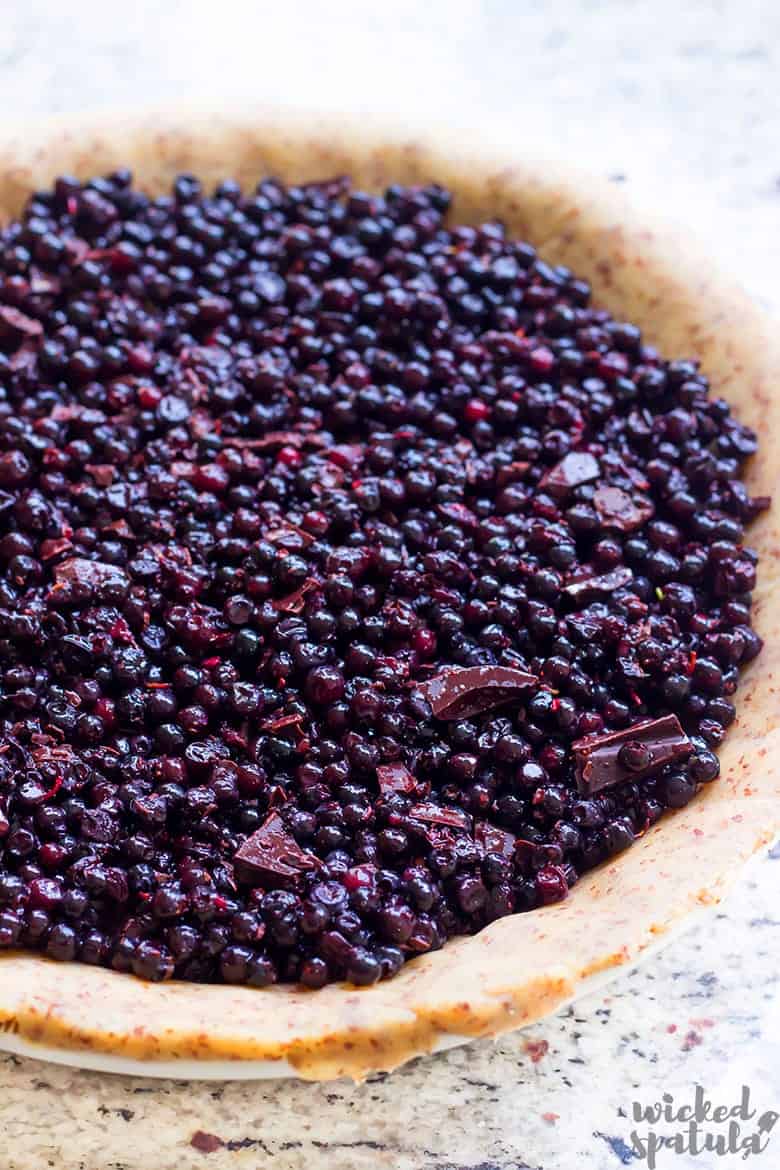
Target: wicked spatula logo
700 1127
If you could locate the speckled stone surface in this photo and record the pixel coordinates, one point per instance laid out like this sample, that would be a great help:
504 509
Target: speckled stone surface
706 1010
678 98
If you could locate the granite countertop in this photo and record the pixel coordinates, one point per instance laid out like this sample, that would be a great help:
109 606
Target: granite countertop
705 1010
677 99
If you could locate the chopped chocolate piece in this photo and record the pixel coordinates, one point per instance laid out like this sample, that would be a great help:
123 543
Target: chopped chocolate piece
524 853
587 626
575 468
53 547
395 778
454 818
45 753
295 602
289 536
601 761
617 509
605 583
441 837
272 850
494 840
630 668
463 691
94 574
276 723
275 439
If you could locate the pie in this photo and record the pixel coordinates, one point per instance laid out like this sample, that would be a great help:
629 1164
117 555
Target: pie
382 650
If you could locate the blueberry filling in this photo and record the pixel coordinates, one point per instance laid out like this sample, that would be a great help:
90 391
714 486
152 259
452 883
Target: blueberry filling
360 582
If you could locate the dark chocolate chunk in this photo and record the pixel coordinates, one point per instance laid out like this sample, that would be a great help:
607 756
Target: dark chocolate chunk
630 668
295 602
586 626
575 468
617 509
491 839
463 691
272 850
280 721
395 778
94 574
603 761
274 439
289 536
53 548
454 818
606 583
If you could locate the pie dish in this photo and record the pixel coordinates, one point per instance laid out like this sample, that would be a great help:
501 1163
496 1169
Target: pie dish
520 967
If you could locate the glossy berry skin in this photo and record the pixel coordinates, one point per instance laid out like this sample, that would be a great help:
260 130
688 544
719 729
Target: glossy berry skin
271 460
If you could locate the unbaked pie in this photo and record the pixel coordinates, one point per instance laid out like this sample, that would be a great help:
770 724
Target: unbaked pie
363 583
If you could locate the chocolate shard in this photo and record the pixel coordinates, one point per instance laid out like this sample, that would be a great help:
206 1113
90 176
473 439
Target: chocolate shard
53 547
272 850
289 536
575 468
60 754
295 602
92 574
434 814
491 839
395 778
463 691
524 853
600 763
279 722
586 626
630 668
605 583
617 509
275 439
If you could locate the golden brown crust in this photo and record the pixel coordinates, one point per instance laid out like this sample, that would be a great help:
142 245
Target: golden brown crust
523 967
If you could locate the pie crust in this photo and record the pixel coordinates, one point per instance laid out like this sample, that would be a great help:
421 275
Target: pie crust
522 967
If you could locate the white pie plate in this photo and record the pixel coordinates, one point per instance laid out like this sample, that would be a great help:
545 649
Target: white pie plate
265 1070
